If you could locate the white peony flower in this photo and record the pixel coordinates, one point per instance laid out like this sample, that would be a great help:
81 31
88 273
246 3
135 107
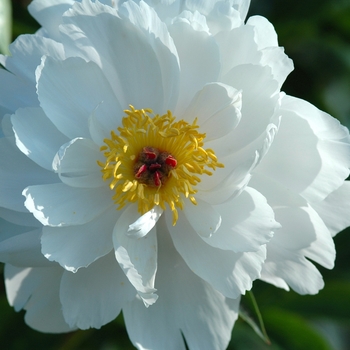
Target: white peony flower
164 169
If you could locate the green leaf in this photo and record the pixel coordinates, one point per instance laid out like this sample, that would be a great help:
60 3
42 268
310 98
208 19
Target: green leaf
293 332
332 302
5 25
244 339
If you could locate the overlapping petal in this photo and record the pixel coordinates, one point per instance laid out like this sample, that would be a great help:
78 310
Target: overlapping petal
311 152
26 53
224 17
90 298
145 18
36 290
243 48
18 93
76 164
78 246
199 57
61 205
49 17
302 235
283 268
229 182
248 222
68 95
334 209
189 300
218 109
228 272
272 55
36 136
19 248
115 46
137 255
19 218
260 98
204 218
17 172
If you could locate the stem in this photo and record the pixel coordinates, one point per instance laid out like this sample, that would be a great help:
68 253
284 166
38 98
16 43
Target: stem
261 321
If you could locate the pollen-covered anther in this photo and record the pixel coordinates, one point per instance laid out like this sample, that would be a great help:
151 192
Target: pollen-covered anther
171 161
142 169
155 160
153 166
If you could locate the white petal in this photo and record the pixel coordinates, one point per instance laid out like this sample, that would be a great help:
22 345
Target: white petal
298 229
228 272
17 172
260 97
4 114
199 313
145 17
224 185
145 223
242 6
17 294
303 234
247 223
68 94
97 131
276 194
36 136
204 218
201 6
61 205
26 53
218 109
136 256
22 249
227 150
322 250
310 153
302 227
6 127
78 246
167 9
195 19
265 34
335 208
115 46
237 47
49 15
281 65
228 182
292 268
36 291
199 60
76 164
95 295
19 218
104 118
18 93
223 17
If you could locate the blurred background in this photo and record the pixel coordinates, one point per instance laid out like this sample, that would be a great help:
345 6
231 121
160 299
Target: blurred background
316 35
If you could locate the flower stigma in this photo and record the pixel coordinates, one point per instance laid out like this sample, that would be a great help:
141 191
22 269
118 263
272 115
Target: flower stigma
155 160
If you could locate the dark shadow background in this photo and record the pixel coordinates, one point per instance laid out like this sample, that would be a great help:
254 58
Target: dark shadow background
316 35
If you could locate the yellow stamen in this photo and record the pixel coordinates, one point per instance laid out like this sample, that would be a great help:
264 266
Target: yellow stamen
155 160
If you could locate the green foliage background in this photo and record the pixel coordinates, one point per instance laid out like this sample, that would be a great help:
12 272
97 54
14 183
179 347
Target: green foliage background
316 35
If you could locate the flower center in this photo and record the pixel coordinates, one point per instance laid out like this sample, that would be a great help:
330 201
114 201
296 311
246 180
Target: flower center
155 160
153 166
